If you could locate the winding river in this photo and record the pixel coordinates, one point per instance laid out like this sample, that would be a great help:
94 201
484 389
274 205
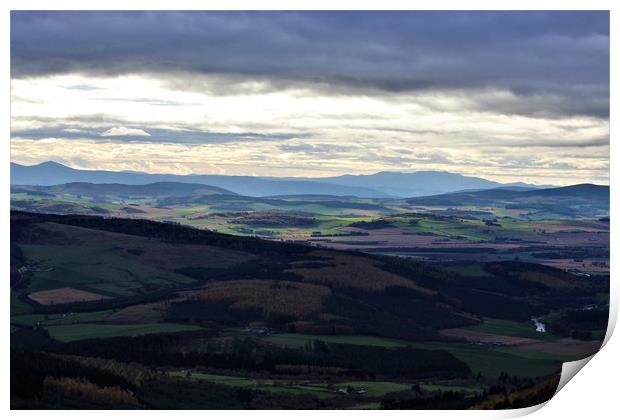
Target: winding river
540 326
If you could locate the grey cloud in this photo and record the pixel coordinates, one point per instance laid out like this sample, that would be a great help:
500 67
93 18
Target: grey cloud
537 143
82 87
316 149
563 56
400 156
148 101
572 100
156 135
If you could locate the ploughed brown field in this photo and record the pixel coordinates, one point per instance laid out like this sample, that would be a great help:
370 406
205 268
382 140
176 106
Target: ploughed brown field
485 337
64 295
560 346
397 241
564 346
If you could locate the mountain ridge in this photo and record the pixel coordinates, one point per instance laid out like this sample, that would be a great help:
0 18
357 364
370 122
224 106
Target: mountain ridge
53 173
384 184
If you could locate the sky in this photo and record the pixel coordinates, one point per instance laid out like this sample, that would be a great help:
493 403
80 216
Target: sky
508 96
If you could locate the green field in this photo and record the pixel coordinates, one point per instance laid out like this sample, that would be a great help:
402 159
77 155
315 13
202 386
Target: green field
95 268
73 332
326 224
18 306
510 328
466 228
321 390
540 355
490 362
59 319
373 389
45 203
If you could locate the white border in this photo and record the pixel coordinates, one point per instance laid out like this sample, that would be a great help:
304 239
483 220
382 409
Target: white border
593 394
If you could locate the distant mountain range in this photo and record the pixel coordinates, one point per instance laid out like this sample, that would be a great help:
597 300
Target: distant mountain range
52 173
379 185
421 183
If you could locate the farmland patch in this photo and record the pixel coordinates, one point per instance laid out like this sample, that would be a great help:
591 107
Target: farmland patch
64 295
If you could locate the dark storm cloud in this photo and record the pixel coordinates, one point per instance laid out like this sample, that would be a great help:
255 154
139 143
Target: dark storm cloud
533 54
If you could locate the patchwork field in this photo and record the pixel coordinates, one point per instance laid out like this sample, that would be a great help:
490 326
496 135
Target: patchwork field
365 389
281 323
564 229
64 295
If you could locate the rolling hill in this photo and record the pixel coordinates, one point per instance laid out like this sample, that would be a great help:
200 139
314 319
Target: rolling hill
157 189
587 200
584 200
140 314
121 262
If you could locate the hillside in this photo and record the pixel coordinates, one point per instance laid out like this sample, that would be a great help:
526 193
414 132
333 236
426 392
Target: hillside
176 317
566 227
586 200
184 256
157 189
179 201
